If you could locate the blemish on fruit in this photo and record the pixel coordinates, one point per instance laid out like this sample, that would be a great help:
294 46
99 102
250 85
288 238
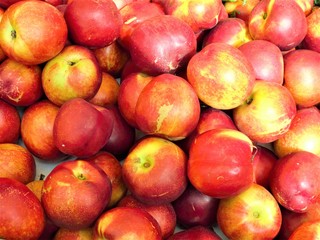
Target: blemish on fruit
13 34
256 214
146 164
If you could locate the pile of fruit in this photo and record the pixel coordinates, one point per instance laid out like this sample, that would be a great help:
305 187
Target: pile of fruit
165 119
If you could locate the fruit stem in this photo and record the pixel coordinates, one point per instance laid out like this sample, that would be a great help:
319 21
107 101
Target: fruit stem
81 177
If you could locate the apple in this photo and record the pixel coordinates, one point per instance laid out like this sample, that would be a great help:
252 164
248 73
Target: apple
22 216
122 137
199 15
82 15
221 75
113 168
20 83
32 32
126 223
266 59
67 234
307 230
240 8
74 72
16 162
312 38
107 94
210 118
10 123
196 232
112 58
294 181
267 113
263 160
164 214
37 130
193 208
251 214
167 106
233 31
303 134
81 129
155 170
75 193
162 44
303 87
282 22
291 220
129 91
220 162
133 14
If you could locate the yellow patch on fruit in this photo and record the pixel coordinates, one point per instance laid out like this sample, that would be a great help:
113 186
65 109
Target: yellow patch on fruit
237 135
163 113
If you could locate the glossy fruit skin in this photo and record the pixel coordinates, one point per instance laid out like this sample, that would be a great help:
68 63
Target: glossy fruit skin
103 14
295 180
220 163
22 216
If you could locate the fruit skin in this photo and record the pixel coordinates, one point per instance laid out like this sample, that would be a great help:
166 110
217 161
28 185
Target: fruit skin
126 222
10 123
112 58
75 193
122 136
38 29
252 214
266 59
167 107
129 91
303 87
312 39
69 134
308 230
22 216
196 232
265 23
155 170
233 31
66 234
162 44
133 14
164 214
20 83
194 208
263 162
267 113
200 16
291 220
221 76
294 181
73 73
210 118
81 15
220 163
17 162
113 168
303 134
37 130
